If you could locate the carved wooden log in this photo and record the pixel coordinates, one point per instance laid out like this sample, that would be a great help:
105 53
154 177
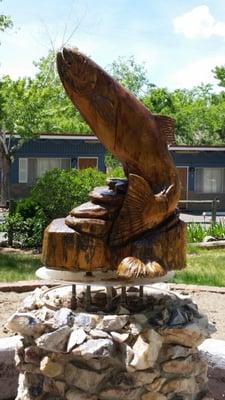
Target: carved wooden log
63 247
134 135
132 225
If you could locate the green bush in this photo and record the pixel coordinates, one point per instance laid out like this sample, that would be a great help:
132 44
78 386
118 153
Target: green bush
53 196
26 208
116 172
25 232
58 191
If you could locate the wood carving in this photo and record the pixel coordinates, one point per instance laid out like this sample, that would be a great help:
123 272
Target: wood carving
112 227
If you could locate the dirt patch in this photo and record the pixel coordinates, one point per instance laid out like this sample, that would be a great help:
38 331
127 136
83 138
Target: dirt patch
210 303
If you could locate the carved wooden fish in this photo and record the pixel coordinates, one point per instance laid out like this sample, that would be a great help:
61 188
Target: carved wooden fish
134 135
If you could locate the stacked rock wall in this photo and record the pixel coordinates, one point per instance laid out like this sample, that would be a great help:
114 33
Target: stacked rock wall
80 355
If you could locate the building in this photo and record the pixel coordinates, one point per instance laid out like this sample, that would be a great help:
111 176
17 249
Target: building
201 168
49 151
202 174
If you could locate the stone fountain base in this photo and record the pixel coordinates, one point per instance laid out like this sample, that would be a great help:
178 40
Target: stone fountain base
145 349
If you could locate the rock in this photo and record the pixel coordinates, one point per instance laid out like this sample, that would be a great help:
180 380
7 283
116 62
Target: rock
191 365
63 317
180 317
9 373
114 322
127 355
51 368
159 316
27 367
86 321
26 324
141 319
137 324
142 378
135 328
54 387
98 333
78 395
30 387
176 351
207 239
119 337
88 381
95 348
213 351
96 364
121 394
191 335
186 386
55 341
122 310
156 385
77 337
32 355
33 300
153 396
146 350
122 380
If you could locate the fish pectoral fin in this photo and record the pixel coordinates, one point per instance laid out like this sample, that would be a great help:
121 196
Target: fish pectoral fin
131 219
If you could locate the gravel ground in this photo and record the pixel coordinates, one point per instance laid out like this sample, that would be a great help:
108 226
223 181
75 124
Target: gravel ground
210 303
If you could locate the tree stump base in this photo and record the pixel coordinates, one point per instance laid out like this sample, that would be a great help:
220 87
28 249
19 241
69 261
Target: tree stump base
65 248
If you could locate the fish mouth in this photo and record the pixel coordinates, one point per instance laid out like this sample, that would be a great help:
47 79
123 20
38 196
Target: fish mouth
74 68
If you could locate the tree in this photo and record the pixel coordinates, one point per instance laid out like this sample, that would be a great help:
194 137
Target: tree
29 107
130 74
5 22
219 74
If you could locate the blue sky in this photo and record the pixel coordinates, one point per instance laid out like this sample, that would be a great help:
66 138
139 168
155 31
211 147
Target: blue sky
180 41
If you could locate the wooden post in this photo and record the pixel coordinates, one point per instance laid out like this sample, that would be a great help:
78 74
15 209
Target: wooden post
214 209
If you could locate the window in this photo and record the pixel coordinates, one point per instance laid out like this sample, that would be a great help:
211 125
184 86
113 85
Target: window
210 180
32 168
87 162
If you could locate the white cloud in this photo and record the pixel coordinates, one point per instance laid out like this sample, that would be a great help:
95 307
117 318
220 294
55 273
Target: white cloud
199 22
197 72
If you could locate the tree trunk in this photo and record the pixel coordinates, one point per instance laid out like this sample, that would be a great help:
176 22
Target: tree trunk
5 179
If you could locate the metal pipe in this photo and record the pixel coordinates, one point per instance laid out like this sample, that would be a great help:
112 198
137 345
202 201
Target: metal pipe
73 303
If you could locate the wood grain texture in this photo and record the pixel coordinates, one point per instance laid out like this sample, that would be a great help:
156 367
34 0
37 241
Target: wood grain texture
132 225
63 247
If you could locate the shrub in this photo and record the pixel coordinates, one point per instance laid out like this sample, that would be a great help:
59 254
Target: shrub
116 172
58 191
53 196
26 208
26 232
197 232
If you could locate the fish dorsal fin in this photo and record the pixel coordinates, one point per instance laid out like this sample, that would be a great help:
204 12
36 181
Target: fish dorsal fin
167 128
130 221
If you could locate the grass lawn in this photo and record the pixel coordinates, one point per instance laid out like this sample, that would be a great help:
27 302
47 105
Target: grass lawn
204 267
18 267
